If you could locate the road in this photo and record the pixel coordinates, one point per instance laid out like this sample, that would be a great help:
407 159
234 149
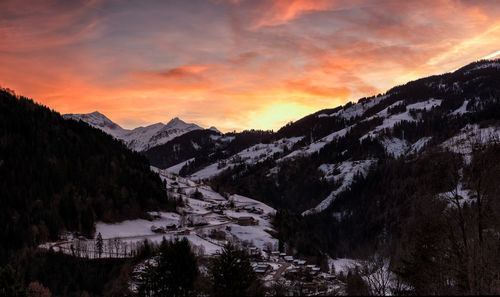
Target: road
280 271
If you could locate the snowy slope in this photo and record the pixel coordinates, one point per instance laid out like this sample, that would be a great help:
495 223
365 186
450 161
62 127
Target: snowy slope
252 155
470 136
316 146
344 173
100 121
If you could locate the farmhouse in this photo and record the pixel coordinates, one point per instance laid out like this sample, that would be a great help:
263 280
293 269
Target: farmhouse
261 268
247 221
156 229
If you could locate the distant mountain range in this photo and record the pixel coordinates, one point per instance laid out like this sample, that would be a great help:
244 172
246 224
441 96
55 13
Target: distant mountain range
141 138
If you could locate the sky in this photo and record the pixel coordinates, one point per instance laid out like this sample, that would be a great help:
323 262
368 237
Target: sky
233 64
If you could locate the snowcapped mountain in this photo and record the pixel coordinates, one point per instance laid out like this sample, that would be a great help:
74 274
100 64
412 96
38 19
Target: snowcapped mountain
98 120
141 138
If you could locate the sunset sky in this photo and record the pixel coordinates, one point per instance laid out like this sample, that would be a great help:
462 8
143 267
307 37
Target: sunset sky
233 64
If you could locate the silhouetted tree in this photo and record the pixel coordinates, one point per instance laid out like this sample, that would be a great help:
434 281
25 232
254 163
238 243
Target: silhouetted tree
232 275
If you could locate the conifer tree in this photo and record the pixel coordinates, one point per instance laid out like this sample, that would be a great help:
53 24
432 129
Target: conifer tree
99 244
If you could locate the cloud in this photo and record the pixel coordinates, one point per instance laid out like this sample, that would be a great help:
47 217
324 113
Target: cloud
232 64
321 91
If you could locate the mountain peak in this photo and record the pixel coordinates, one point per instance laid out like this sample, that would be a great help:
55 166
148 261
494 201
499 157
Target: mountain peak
97 113
140 138
175 121
214 129
94 118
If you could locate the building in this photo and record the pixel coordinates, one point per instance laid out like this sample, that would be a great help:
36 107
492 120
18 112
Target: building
184 232
261 268
246 221
156 229
253 251
171 227
288 258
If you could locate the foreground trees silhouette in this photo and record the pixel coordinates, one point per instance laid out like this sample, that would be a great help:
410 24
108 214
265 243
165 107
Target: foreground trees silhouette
232 275
172 272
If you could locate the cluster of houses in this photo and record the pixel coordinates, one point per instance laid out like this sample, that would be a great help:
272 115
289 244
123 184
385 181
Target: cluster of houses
262 268
299 277
276 256
219 208
172 227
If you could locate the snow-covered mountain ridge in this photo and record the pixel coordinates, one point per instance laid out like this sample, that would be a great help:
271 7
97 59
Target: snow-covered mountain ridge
140 138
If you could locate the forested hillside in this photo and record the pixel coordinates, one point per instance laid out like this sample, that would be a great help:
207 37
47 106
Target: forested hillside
409 175
58 175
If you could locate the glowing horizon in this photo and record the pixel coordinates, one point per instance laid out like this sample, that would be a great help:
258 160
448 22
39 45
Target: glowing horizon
232 64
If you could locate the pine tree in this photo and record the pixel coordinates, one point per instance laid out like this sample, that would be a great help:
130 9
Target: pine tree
10 284
232 275
99 244
175 273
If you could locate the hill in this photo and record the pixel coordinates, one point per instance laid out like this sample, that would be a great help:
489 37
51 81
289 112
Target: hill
60 175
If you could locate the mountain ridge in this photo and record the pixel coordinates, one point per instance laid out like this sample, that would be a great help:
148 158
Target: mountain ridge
140 138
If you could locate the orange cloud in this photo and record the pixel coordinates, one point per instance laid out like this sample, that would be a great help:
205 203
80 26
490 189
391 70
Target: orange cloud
233 64
282 11
321 91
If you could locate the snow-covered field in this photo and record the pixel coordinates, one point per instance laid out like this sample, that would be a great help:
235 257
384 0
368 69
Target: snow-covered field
195 221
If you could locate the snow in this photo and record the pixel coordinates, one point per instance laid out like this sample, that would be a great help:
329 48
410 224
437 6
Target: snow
392 120
99 121
347 171
428 104
252 155
343 265
389 123
395 146
222 138
141 138
469 136
462 109
419 145
195 145
463 195
177 168
245 201
133 228
316 146
254 234
358 109
485 65
213 128
384 113
130 233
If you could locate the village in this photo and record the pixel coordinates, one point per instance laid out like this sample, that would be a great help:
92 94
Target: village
209 221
